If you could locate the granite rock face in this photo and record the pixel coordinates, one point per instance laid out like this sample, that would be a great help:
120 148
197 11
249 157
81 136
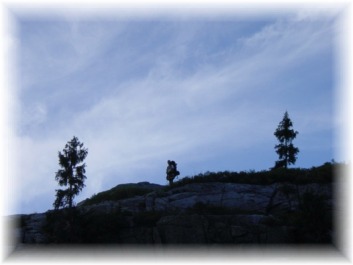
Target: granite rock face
243 197
202 213
29 228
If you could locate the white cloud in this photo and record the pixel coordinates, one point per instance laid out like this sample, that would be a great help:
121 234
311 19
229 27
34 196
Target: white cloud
34 163
34 115
59 49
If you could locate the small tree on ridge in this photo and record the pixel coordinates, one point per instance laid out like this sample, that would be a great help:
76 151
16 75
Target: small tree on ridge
285 149
72 174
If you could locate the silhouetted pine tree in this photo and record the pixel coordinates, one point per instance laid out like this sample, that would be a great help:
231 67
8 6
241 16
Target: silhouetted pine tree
285 149
72 173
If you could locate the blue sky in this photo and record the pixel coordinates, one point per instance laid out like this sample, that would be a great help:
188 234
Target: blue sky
205 91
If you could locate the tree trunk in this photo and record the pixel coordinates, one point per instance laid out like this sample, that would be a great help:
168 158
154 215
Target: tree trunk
286 155
70 197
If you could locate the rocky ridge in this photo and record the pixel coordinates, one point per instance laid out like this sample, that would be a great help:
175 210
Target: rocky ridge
204 213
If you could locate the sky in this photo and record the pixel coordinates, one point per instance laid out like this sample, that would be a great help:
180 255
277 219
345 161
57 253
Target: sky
207 90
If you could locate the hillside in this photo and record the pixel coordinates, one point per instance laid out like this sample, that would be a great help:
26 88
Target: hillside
267 207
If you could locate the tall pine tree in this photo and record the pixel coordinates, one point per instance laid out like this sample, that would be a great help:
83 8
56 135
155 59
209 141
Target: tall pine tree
285 149
72 174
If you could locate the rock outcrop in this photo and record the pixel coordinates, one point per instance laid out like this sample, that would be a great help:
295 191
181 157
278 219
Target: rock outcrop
243 197
198 213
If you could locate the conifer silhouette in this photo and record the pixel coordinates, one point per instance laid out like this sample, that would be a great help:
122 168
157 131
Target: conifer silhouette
72 174
285 149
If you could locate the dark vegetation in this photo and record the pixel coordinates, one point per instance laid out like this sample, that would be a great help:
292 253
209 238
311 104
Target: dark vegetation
93 228
313 222
121 192
300 176
74 226
321 174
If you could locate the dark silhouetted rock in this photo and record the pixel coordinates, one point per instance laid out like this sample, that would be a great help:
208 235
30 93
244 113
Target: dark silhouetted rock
198 213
